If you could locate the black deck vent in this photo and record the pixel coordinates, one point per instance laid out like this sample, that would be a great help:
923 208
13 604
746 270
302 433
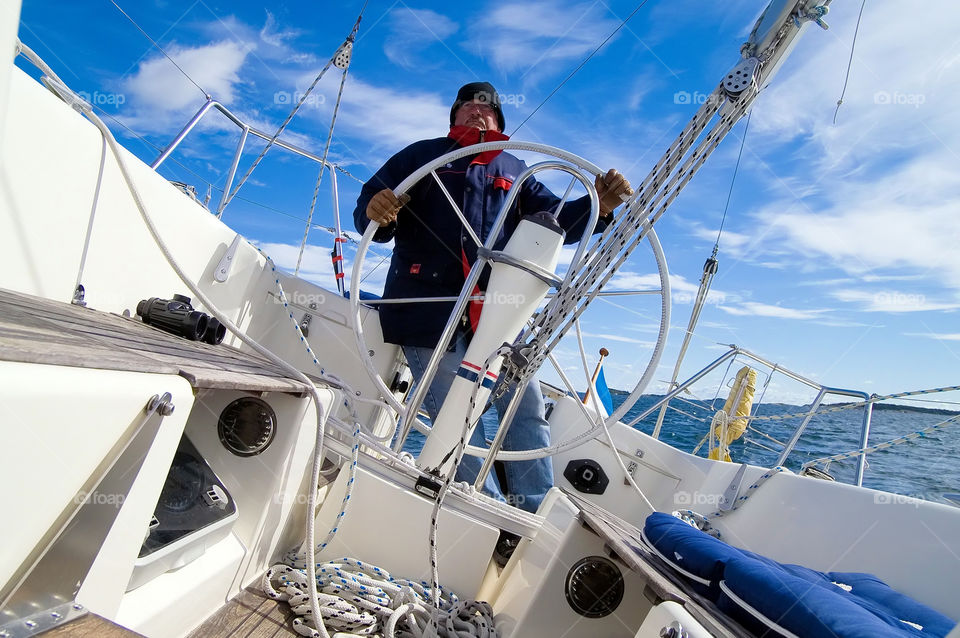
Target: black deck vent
247 426
594 587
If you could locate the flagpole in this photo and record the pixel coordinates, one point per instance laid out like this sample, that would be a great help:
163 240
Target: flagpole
596 373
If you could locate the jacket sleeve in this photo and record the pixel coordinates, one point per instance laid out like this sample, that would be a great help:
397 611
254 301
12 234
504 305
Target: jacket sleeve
389 176
573 216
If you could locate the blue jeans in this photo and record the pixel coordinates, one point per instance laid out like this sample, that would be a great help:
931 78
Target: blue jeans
527 481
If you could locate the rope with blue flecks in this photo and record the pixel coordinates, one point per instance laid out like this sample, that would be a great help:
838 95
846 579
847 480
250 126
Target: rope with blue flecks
448 480
919 434
308 553
363 599
349 395
340 610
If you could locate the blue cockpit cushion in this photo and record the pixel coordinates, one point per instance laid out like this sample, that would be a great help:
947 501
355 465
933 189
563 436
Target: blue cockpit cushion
772 598
772 602
698 556
876 594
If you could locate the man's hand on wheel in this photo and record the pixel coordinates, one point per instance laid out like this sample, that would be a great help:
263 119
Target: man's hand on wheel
384 206
613 189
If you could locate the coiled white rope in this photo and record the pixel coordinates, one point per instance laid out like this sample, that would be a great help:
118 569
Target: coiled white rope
361 599
339 605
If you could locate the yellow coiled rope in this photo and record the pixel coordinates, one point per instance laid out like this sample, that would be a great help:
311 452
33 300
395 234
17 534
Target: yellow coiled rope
736 410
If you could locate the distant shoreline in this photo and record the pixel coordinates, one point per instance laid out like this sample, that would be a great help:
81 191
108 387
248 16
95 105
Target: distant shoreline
890 407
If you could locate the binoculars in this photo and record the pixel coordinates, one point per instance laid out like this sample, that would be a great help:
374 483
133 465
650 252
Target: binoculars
178 317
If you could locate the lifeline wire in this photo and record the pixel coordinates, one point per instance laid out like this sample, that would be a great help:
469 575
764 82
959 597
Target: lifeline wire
827 460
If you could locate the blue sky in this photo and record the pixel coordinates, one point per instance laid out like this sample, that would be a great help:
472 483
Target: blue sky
839 257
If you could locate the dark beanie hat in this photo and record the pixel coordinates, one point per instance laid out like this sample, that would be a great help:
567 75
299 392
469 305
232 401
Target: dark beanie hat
482 92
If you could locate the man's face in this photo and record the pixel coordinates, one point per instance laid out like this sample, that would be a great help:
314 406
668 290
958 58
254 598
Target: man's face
478 115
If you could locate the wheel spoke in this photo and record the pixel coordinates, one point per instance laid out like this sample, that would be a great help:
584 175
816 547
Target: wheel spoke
566 195
463 219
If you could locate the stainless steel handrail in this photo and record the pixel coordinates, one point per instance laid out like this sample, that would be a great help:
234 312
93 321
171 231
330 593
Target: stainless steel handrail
822 391
245 131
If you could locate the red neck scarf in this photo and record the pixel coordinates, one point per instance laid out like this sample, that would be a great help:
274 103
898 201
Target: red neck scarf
468 136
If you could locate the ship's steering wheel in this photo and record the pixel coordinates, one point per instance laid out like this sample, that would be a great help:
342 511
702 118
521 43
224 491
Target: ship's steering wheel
576 166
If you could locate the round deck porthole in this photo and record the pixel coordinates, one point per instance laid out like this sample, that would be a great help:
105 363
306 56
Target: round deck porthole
594 587
247 426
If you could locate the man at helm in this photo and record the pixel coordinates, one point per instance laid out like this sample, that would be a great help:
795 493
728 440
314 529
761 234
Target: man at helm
433 253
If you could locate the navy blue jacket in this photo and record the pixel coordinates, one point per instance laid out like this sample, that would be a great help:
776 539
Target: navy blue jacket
430 241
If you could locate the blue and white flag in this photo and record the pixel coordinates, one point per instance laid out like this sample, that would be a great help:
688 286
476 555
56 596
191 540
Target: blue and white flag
598 394
603 393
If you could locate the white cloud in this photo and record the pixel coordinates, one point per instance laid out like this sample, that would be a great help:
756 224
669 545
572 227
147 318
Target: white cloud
842 323
953 336
412 31
158 92
384 119
849 281
877 110
713 324
756 309
621 338
274 35
683 291
902 226
731 242
317 267
649 327
873 195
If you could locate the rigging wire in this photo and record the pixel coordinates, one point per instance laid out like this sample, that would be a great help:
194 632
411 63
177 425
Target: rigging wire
296 107
346 47
736 169
709 270
348 174
160 48
323 164
853 45
622 24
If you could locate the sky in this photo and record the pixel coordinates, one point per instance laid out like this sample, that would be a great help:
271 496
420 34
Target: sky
839 253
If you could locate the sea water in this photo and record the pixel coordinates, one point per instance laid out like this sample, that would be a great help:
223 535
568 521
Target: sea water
925 467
